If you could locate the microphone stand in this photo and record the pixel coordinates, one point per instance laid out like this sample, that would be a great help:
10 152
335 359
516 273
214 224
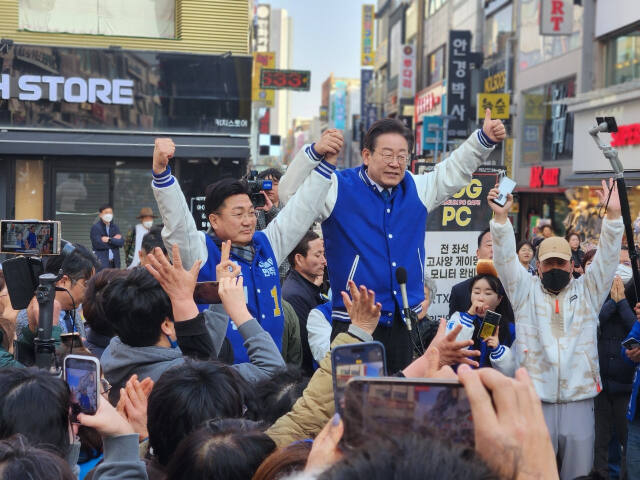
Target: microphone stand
611 154
45 346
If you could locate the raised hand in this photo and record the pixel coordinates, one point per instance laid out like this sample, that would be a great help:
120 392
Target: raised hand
613 207
428 365
231 291
107 421
501 214
330 145
133 404
325 451
617 289
162 152
451 351
226 268
494 129
362 307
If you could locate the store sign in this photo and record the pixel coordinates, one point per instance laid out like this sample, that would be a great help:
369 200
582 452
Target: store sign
544 177
263 17
495 82
407 80
459 84
338 106
262 60
368 111
74 89
626 135
498 103
324 114
367 54
197 210
556 17
428 101
272 79
431 133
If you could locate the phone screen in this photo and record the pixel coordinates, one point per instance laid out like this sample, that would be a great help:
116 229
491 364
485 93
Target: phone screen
82 377
206 293
489 324
506 186
397 406
631 343
357 360
35 238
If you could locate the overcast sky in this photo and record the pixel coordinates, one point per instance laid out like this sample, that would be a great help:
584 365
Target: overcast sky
326 38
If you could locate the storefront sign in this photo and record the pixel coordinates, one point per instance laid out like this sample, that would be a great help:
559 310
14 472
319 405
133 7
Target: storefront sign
368 113
428 101
452 236
324 114
406 82
367 54
498 103
459 84
626 135
74 89
263 18
495 82
197 210
272 79
431 136
556 17
544 177
338 106
262 60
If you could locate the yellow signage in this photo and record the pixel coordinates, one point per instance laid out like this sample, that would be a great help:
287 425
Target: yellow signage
262 60
367 53
497 102
508 156
495 82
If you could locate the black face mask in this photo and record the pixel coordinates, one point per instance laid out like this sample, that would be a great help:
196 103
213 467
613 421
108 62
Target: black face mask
555 279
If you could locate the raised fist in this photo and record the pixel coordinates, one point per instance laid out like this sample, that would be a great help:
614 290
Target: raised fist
162 152
331 142
494 129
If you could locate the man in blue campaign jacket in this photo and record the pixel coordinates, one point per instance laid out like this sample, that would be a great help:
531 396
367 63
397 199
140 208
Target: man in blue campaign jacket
374 220
232 218
633 435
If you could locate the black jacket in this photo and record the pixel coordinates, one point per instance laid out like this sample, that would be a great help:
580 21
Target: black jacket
616 320
303 296
101 249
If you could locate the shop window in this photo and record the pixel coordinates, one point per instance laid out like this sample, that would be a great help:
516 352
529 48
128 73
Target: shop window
79 195
435 66
142 18
623 58
548 127
434 6
497 29
535 48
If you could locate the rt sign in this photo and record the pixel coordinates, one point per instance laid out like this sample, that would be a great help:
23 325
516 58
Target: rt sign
556 17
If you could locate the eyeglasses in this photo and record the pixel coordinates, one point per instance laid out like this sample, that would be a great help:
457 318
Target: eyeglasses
106 386
388 158
253 214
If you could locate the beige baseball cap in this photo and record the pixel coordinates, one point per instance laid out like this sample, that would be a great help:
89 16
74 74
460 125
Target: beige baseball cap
554 247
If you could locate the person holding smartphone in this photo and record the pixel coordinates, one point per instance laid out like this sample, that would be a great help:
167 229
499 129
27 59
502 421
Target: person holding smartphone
632 357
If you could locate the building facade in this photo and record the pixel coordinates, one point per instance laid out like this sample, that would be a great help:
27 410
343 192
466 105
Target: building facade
79 111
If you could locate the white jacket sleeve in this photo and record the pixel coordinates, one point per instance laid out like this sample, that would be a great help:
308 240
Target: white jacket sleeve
179 225
599 276
294 220
503 360
515 279
454 173
319 331
300 168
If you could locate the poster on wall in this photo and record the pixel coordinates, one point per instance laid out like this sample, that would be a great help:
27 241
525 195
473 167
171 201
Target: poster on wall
451 240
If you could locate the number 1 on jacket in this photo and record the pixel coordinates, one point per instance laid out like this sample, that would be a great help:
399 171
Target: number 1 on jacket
274 294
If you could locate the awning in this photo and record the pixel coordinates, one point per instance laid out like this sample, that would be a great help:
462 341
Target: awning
96 144
594 179
542 190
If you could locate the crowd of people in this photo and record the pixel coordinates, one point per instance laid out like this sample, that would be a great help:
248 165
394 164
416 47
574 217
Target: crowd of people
241 386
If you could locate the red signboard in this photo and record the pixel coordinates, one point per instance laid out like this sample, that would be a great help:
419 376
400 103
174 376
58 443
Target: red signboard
428 102
544 177
626 135
271 79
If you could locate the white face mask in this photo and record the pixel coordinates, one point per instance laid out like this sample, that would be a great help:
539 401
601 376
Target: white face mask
625 273
148 224
107 217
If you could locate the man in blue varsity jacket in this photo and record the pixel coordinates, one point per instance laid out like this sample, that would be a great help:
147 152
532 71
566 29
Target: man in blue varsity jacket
633 414
373 219
232 217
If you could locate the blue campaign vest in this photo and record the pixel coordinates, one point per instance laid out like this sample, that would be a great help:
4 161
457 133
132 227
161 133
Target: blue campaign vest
386 233
262 289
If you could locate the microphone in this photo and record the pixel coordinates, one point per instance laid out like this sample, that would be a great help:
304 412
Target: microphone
401 278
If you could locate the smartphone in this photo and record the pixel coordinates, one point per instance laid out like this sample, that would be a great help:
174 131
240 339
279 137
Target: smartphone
489 324
82 374
71 341
399 406
366 359
33 238
206 293
631 343
505 186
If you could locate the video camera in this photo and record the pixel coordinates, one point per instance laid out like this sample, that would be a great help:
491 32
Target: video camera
24 276
256 186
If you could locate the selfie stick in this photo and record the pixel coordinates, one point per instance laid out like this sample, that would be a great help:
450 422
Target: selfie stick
45 345
611 154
